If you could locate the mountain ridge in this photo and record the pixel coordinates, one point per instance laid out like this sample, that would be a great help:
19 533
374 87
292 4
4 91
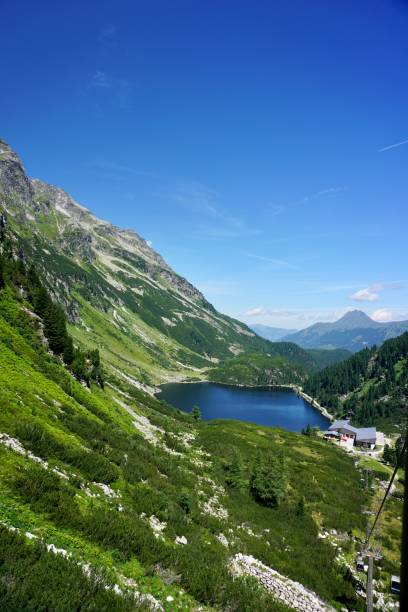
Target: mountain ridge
117 291
354 331
271 333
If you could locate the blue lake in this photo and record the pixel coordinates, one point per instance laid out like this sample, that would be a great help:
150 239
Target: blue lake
264 406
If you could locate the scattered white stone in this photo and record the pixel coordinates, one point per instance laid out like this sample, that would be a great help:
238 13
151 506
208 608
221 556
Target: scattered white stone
157 526
168 322
137 383
141 423
291 593
106 489
181 540
16 446
213 507
141 598
57 551
60 473
169 598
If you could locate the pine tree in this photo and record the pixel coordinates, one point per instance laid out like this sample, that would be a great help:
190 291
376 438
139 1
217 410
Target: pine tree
301 507
196 413
268 479
235 471
68 353
2 282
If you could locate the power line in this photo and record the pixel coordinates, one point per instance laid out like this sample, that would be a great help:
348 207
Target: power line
397 465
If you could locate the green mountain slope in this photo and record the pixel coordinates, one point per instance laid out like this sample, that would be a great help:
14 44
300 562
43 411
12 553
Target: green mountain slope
257 370
326 357
138 501
120 296
373 384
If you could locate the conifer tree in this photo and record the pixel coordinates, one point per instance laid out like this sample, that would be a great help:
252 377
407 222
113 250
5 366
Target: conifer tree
268 479
196 413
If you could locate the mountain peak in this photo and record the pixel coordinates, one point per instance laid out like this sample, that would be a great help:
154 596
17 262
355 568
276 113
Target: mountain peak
356 318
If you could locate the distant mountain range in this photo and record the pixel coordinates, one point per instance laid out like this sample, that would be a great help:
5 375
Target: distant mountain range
354 331
272 333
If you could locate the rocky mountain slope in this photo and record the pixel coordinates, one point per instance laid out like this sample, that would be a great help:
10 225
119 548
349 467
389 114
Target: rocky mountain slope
354 331
148 322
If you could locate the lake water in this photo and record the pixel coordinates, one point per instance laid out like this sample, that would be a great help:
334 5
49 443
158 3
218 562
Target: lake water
263 406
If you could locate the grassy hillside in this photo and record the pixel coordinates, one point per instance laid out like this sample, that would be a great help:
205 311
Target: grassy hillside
373 384
108 479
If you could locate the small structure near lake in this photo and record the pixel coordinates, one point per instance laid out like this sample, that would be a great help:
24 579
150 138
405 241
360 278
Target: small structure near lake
366 437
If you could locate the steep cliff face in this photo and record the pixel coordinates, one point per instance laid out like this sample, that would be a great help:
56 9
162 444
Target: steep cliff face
13 180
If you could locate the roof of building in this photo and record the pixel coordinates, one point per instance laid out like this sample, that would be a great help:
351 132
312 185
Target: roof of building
343 425
366 434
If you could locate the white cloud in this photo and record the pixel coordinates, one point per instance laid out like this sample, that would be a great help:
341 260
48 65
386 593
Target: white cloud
108 33
372 293
275 263
365 295
100 79
318 194
200 200
393 146
382 315
256 312
119 89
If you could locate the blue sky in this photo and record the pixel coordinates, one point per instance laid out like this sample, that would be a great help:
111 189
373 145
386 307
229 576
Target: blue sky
249 141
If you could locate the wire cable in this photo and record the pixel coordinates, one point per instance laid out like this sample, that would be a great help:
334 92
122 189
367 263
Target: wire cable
397 466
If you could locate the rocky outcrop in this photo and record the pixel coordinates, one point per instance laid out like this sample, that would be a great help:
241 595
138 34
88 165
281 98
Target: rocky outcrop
13 179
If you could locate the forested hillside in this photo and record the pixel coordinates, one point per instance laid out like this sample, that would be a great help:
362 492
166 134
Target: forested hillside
373 384
258 370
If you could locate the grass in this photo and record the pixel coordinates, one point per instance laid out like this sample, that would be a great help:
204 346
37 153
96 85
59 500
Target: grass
90 438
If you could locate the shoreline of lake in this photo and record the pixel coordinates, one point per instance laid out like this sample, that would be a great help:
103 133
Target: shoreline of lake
298 390
246 407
